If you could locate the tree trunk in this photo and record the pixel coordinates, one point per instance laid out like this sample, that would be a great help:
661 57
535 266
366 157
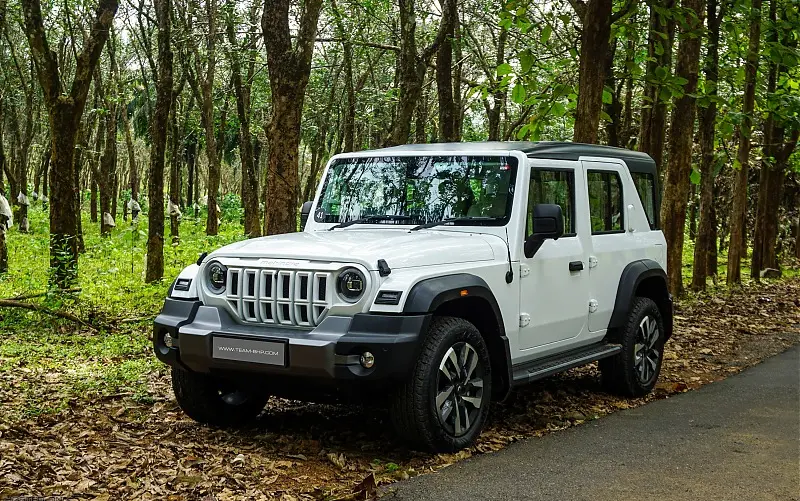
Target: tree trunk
107 164
174 177
350 106
190 151
252 224
773 165
444 75
63 188
676 182
65 112
596 30
495 110
654 105
158 127
705 244
411 66
737 251
289 69
614 108
133 174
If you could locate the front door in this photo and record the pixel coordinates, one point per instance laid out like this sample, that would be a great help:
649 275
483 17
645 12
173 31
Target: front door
553 290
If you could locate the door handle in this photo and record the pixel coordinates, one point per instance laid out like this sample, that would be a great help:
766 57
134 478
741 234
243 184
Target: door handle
576 266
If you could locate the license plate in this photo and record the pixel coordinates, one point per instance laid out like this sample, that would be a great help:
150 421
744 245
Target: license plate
249 350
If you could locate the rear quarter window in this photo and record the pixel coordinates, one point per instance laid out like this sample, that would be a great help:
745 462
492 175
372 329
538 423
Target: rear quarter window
646 188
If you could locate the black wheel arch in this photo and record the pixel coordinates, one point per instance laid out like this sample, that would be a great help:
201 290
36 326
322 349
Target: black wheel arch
644 278
468 296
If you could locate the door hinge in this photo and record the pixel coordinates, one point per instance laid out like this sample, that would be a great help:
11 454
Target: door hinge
592 261
593 305
524 319
524 270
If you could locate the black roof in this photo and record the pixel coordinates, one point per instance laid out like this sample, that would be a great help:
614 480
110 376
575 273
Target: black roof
636 160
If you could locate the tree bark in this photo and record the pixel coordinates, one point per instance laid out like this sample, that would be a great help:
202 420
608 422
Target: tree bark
448 117
705 244
133 174
676 182
737 248
411 67
349 124
65 111
773 165
596 29
654 106
289 69
108 163
252 224
158 127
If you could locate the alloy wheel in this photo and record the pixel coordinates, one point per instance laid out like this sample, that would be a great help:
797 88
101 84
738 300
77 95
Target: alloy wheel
645 352
459 394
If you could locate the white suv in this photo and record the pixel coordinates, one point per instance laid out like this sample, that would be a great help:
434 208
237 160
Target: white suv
441 275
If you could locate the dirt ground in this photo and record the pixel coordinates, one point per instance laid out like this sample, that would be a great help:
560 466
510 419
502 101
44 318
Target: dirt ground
118 448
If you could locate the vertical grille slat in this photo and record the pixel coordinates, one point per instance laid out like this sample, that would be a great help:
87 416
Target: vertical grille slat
282 297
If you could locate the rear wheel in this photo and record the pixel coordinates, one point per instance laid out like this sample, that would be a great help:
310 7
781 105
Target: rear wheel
634 371
444 404
216 401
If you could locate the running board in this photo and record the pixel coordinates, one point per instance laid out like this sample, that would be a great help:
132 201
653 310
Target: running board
544 367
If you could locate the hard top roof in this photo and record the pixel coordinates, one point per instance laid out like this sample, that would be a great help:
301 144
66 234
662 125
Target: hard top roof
636 160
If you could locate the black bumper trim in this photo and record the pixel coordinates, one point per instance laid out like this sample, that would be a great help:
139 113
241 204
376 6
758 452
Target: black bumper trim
330 351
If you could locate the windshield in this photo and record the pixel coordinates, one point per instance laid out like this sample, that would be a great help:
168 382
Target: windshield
424 189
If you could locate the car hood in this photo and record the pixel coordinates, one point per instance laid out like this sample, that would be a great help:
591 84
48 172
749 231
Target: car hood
400 248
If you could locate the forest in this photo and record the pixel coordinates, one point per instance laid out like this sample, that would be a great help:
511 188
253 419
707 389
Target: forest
183 108
136 134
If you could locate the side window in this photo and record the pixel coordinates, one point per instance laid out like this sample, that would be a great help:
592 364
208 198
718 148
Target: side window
605 201
552 187
647 194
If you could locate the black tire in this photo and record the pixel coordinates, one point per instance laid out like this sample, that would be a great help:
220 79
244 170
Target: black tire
218 402
414 411
634 371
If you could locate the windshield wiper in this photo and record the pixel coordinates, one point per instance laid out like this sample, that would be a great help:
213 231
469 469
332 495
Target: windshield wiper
368 219
454 220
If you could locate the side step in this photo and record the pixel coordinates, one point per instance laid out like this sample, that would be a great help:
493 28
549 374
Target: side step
544 367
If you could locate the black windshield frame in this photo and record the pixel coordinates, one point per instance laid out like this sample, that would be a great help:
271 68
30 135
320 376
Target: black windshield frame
508 167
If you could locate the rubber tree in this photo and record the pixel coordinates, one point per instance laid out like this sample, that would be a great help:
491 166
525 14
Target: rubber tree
65 108
681 132
289 65
706 242
158 136
737 248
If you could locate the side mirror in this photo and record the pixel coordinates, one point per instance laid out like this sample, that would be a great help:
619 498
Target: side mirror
305 210
548 224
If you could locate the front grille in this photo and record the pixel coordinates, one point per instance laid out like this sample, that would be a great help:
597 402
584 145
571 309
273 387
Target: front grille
281 297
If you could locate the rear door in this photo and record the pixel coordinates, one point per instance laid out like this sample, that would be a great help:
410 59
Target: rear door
611 247
553 298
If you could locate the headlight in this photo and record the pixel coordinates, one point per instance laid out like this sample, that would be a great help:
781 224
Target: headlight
216 275
351 284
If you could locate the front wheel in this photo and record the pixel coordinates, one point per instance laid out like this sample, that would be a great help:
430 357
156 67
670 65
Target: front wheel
634 371
215 401
443 405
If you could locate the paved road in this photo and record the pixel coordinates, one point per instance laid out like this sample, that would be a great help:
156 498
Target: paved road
738 439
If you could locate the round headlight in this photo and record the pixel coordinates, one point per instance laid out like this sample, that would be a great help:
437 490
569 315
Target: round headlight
351 284
217 275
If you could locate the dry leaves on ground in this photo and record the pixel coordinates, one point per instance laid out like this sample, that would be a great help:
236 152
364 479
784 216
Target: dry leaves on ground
115 448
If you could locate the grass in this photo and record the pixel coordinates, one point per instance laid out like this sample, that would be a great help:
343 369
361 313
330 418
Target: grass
85 364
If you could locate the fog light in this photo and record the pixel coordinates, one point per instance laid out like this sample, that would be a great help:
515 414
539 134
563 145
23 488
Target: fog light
367 360
167 340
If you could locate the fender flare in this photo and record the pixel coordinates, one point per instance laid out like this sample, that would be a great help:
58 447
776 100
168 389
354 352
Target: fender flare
632 276
428 294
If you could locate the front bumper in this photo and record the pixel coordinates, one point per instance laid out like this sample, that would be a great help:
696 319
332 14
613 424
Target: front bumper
330 351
